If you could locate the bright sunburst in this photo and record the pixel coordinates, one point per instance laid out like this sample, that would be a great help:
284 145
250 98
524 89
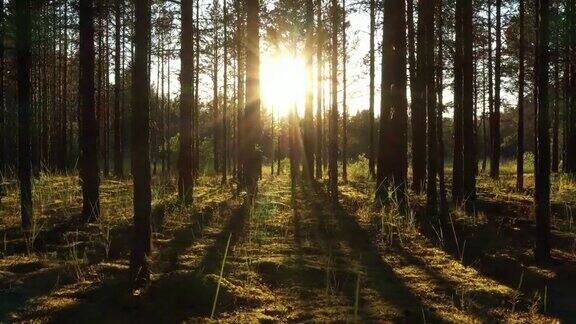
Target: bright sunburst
283 83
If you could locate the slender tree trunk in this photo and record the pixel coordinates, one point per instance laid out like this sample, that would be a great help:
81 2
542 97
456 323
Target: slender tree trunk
418 105
3 128
392 153
520 153
240 50
372 145
23 65
458 164
216 123
252 123
556 113
333 123
439 124
196 107
118 158
344 97
542 193
309 100
570 159
470 163
431 187
225 98
495 160
186 101
490 85
319 90
89 172
139 260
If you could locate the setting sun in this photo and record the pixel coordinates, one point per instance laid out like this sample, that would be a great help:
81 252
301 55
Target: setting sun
283 83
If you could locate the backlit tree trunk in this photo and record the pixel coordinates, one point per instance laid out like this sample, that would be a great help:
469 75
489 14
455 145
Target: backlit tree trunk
89 172
186 101
252 124
141 249
542 167
392 152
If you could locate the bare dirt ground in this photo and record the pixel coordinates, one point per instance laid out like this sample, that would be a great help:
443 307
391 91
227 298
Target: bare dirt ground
292 257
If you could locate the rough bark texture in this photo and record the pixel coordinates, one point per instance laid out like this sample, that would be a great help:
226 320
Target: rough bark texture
186 101
392 152
252 124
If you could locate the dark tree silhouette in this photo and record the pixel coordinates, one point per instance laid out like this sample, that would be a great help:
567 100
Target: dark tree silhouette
392 151
319 90
495 130
430 86
89 172
186 101
520 150
458 163
542 167
139 260
117 124
418 81
470 162
23 64
309 100
333 119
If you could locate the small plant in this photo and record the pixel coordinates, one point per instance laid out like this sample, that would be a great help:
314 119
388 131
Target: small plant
78 263
220 277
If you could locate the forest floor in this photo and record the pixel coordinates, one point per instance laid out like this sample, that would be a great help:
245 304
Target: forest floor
292 257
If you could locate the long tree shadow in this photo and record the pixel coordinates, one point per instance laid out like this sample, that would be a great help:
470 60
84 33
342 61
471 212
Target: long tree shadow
173 297
380 275
500 248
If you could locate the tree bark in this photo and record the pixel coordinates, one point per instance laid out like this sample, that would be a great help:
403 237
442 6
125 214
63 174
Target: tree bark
431 186
418 82
23 64
89 172
252 124
372 144
186 101
141 249
309 100
470 163
392 153
520 152
542 167
319 90
333 123
458 163
496 140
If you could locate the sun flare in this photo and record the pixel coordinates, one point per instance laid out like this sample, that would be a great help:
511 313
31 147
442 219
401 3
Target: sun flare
283 83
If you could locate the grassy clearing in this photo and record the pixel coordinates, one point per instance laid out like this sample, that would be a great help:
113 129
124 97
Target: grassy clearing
294 256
